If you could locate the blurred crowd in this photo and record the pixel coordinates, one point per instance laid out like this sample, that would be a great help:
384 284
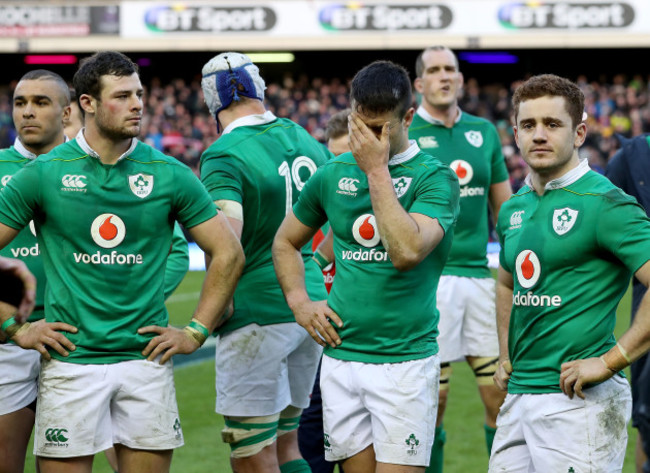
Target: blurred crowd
178 123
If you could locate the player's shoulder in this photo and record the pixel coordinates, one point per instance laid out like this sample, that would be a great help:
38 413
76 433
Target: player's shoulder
65 152
11 155
467 119
147 154
594 184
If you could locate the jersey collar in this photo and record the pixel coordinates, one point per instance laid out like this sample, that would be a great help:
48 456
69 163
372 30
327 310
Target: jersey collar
24 152
250 120
427 117
410 152
83 144
566 180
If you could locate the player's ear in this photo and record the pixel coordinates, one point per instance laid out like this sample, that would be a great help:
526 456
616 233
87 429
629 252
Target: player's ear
418 85
408 117
88 103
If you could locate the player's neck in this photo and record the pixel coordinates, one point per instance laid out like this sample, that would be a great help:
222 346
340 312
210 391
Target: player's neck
540 178
45 148
446 114
240 110
108 149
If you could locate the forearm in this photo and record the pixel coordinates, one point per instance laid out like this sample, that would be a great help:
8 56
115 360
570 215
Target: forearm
635 342
399 232
503 308
290 271
222 273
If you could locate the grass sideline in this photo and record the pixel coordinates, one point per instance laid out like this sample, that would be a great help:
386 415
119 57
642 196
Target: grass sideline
204 451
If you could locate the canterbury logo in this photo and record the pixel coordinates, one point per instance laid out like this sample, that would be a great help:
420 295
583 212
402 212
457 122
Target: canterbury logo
73 180
348 184
56 435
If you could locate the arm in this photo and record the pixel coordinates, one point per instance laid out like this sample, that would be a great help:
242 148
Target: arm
408 238
631 346
314 316
217 240
499 193
505 285
16 268
324 253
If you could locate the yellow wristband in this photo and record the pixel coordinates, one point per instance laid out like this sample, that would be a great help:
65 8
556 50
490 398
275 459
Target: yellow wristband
195 335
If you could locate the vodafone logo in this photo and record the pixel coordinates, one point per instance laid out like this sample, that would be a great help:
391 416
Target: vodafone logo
463 170
365 231
108 230
528 268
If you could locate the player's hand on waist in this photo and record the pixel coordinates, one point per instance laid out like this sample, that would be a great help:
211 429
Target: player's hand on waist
317 317
41 334
502 375
168 341
575 375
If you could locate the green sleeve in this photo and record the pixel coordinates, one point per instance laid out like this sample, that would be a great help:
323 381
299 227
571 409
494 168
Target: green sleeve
192 204
221 176
21 197
178 261
438 196
624 229
499 169
309 209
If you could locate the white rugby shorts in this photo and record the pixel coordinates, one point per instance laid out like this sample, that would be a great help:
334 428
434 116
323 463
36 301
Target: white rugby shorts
19 370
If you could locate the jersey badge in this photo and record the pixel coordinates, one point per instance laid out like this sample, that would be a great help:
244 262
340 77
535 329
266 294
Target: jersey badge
463 170
74 183
5 179
528 268
564 219
475 138
348 186
428 142
401 185
365 231
141 184
516 219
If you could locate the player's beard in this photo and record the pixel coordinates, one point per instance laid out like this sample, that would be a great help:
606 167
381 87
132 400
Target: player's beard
105 124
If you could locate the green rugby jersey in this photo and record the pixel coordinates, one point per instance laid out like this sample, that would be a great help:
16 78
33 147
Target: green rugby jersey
473 150
388 316
24 246
571 253
263 162
104 232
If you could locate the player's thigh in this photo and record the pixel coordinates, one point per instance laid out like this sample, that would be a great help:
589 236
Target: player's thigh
480 325
73 410
402 399
509 450
587 435
15 430
19 377
303 364
252 373
143 461
451 307
144 411
346 421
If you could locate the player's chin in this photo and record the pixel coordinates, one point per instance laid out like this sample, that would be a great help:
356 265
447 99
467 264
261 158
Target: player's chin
131 131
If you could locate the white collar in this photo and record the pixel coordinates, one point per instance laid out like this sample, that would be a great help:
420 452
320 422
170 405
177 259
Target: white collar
427 117
83 144
410 152
566 180
250 120
24 152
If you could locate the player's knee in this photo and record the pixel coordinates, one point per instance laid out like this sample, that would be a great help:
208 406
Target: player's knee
248 436
289 420
445 376
484 369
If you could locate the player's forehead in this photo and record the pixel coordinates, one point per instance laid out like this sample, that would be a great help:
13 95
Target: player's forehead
371 118
543 109
438 58
112 84
29 89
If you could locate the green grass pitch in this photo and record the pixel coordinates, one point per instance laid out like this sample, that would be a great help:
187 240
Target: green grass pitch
205 452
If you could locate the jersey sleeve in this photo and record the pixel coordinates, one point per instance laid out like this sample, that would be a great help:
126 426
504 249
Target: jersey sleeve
624 229
21 197
309 209
192 204
438 196
499 169
178 261
221 176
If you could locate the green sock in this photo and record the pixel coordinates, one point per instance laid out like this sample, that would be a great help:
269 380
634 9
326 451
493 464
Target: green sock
489 437
435 464
295 466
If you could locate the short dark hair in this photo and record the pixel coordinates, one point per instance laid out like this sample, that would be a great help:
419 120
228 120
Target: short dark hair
87 79
44 74
381 87
554 86
337 124
419 62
